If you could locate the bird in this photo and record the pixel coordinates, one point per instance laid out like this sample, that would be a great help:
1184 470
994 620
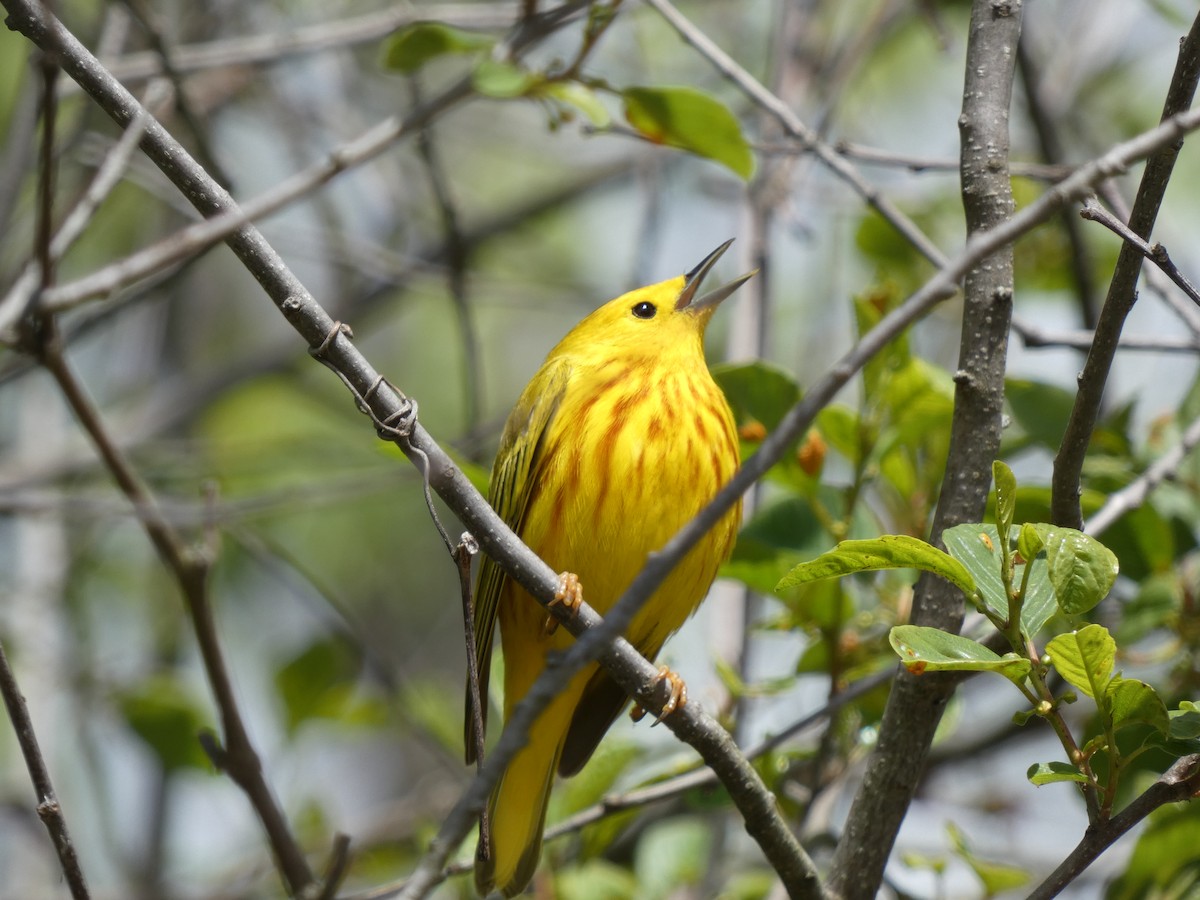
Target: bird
619 439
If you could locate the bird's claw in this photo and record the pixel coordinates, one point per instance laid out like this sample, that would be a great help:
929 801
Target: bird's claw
676 700
569 594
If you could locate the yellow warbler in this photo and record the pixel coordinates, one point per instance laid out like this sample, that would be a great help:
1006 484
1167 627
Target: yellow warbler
620 438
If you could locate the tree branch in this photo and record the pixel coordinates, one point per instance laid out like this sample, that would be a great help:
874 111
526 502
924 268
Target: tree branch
1180 782
1122 294
1155 252
915 705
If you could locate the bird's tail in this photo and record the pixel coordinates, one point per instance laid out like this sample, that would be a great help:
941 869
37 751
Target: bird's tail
511 844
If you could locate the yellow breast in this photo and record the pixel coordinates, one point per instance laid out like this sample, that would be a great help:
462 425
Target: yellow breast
638 449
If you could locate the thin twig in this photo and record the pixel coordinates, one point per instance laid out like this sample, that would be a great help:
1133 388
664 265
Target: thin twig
48 808
1110 194
1155 252
263 49
108 175
879 157
1135 493
1034 336
792 124
457 255
237 757
189 241
152 26
1122 294
1047 128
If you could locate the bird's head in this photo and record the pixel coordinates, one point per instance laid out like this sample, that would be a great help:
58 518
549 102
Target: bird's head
666 317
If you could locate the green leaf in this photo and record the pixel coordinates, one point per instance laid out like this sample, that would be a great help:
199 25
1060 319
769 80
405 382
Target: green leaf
892 551
318 682
1006 499
1040 409
164 714
996 877
923 649
758 390
596 778
594 878
1132 702
583 98
1050 772
410 48
977 548
1029 541
686 118
1082 570
502 81
1084 658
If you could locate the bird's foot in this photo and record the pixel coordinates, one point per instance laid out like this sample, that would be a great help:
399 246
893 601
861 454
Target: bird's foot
569 594
677 700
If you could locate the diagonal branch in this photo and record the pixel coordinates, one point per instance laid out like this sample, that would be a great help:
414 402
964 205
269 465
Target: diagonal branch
1122 294
1180 782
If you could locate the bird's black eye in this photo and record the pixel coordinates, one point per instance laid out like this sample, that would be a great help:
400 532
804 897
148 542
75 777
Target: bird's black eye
645 310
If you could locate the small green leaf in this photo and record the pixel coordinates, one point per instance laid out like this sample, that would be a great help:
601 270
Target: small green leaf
1084 658
923 649
1132 702
582 97
409 49
690 120
996 877
1050 772
1006 499
1029 541
502 80
977 548
317 682
892 551
1082 570
164 714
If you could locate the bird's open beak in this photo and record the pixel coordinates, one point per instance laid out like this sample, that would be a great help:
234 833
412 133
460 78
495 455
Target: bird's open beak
687 297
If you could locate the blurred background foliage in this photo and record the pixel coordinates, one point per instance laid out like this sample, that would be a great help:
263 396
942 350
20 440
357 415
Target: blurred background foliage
335 599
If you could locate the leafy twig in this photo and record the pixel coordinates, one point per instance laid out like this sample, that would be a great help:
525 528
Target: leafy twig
1180 782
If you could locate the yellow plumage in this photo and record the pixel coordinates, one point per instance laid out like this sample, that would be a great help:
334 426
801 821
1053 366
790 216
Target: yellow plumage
620 438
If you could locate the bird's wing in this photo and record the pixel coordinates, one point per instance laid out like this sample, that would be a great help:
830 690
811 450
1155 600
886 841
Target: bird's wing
513 477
